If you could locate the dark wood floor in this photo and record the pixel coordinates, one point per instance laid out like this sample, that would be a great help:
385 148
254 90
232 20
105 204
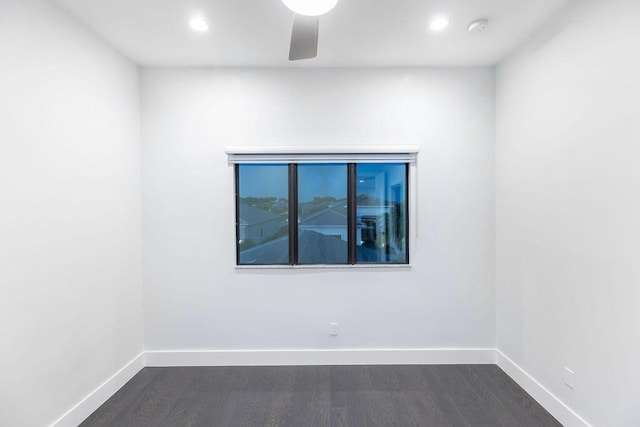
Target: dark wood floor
432 395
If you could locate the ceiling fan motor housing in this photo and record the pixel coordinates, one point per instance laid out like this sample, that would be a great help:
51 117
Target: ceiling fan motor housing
479 26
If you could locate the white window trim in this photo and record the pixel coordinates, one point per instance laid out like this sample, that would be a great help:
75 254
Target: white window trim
324 154
337 154
324 267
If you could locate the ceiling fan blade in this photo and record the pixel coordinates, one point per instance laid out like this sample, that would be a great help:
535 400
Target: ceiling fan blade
304 37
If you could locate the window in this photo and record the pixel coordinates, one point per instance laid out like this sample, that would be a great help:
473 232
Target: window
381 213
263 214
322 213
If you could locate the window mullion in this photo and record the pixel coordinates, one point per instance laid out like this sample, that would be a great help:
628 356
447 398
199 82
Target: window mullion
293 214
406 212
237 193
351 213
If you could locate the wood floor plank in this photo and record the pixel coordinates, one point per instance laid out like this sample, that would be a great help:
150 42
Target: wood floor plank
421 398
121 400
310 403
528 411
157 401
485 391
200 394
339 417
477 409
222 398
442 391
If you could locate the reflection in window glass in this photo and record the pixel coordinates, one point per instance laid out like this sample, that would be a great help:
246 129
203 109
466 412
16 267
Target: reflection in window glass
263 232
322 214
381 213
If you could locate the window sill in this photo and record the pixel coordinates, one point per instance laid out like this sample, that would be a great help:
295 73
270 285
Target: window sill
325 267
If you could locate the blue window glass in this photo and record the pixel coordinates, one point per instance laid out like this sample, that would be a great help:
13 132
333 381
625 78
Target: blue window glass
263 211
381 209
322 214
341 213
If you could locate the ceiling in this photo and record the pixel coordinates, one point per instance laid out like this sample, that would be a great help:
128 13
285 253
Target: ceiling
357 33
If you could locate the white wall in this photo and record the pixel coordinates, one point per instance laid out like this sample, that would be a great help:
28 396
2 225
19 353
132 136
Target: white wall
568 209
70 213
196 299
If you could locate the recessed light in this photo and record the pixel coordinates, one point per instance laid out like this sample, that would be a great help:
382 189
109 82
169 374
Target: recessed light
199 25
439 23
310 7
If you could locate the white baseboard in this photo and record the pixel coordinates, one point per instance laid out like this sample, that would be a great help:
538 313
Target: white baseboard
542 395
445 356
96 398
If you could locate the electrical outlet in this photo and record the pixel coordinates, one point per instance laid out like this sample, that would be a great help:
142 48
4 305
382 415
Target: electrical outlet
333 327
569 377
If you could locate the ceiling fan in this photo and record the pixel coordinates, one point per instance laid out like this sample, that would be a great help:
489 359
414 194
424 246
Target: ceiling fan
306 19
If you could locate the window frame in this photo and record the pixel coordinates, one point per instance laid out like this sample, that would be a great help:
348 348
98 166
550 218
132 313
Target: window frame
352 229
